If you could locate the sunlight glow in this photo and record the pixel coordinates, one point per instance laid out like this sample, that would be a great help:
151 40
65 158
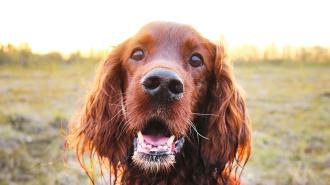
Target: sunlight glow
82 25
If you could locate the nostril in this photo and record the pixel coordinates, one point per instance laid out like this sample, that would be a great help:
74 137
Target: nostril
175 86
163 85
151 82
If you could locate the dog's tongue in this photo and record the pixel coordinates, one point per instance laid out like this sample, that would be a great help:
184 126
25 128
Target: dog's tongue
155 140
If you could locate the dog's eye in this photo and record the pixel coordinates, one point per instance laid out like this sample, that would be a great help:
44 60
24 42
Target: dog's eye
196 60
137 54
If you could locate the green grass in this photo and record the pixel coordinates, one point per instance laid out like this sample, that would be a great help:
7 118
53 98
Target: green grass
35 103
289 105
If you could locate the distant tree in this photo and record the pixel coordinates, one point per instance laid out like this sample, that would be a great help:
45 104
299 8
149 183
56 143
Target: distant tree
3 55
54 56
289 53
25 53
271 53
8 54
74 57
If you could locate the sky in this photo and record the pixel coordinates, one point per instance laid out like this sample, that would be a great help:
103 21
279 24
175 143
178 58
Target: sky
68 25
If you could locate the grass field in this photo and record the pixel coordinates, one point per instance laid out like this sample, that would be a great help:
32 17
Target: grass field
289 105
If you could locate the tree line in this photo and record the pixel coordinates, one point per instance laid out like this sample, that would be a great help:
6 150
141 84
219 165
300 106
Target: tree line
273 53
23 54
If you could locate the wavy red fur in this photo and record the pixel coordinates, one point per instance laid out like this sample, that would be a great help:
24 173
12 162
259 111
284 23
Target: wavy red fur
212 105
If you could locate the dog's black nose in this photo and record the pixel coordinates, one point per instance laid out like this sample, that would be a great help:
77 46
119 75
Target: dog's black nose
163 84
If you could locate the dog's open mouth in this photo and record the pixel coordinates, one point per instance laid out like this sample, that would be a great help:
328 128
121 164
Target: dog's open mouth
155 147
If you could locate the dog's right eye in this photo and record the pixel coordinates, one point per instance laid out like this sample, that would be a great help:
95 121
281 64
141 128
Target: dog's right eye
137 54
196 60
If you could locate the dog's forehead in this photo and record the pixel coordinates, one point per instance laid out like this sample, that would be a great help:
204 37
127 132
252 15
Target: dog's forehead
169 32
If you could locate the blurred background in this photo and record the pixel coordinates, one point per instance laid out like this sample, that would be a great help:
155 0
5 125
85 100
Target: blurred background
280 50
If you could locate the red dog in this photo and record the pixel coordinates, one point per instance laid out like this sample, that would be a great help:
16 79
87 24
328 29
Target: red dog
165 109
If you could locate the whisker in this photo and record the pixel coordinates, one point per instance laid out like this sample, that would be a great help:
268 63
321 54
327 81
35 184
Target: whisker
125 125
203 114
195 129
193 126
114 104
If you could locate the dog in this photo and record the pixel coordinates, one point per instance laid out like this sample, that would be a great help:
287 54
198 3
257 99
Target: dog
165 109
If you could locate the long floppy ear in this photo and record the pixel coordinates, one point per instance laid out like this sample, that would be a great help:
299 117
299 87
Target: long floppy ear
98 129
227 129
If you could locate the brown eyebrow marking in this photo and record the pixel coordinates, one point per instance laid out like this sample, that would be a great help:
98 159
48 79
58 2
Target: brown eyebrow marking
144 40
193 44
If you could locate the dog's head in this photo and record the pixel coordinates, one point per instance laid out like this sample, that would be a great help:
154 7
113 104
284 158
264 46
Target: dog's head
152 92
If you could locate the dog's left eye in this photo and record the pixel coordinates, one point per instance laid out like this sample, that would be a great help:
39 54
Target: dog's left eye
137 54
196 60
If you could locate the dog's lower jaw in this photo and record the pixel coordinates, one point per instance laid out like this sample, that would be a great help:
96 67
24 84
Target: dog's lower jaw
152 163
155 160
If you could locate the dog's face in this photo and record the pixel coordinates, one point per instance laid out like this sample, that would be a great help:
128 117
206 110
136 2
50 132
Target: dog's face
166 69
151 94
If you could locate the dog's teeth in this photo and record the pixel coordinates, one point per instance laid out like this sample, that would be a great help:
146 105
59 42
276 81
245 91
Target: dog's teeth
170 140
153 149
140 136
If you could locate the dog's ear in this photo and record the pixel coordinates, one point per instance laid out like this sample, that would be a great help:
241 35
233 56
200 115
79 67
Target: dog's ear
98 128
227 128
